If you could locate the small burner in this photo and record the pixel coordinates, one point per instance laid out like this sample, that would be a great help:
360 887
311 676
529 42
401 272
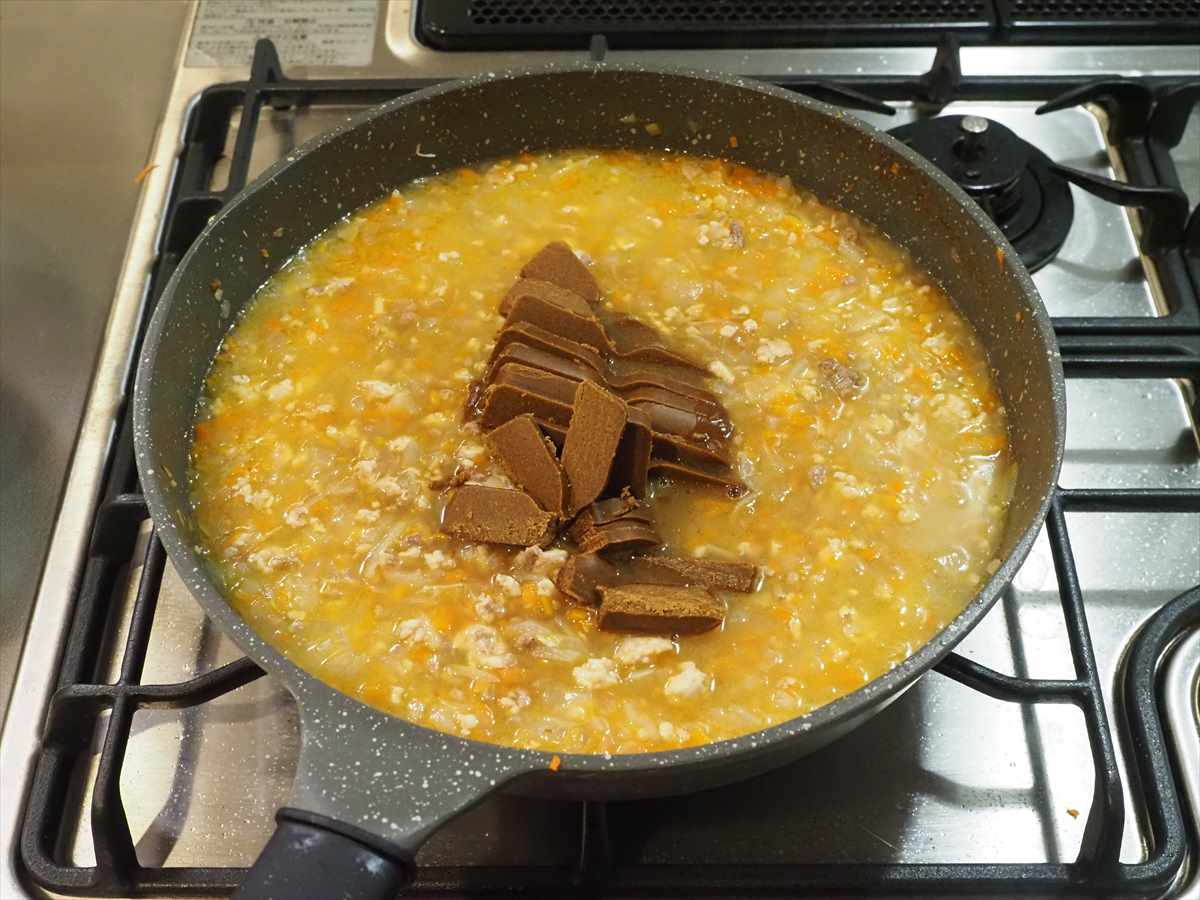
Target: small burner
1011 179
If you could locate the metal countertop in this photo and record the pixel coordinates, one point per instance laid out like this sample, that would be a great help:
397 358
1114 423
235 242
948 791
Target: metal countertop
82 88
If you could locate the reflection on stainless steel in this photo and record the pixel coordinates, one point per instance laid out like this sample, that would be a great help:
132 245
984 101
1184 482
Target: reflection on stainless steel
69 200
1187 164
953 776
1181 706
35 674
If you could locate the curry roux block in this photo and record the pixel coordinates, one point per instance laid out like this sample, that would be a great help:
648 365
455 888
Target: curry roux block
716 574
582 575
604 512
550 307
597 422
627 534
630 468
619 522
493 515
711 411
529 459
518 389
558 264
536 358
659 608
540 339
715 475
633 339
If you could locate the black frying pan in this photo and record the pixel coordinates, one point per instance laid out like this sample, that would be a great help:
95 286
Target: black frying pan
350 833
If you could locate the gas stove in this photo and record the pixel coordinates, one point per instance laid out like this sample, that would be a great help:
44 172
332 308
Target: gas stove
1054 753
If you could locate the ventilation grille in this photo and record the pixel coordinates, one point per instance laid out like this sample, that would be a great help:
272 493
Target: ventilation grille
1115 11
661 24
579 12
569 24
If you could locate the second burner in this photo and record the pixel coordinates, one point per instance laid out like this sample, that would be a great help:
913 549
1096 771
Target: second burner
1010 178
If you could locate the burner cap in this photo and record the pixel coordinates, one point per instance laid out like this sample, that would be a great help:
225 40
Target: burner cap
1011 179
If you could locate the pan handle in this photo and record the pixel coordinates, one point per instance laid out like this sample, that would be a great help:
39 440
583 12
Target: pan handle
352 830
310 856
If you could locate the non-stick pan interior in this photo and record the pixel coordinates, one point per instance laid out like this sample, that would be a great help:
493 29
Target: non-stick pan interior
826 151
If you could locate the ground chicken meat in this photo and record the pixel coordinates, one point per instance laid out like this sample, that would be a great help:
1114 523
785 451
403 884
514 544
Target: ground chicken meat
418 633
515 700
633 651
846 381
687 682
484 647
488 608
597 672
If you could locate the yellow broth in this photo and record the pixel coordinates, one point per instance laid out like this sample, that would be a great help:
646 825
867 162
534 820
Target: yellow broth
868 431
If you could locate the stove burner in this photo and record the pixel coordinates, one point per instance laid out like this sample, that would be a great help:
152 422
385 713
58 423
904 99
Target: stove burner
1011 179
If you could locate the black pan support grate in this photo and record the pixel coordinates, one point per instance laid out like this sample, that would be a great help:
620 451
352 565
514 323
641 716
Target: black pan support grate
1092 348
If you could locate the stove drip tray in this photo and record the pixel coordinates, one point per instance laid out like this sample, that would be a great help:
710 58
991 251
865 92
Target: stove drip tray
1011 179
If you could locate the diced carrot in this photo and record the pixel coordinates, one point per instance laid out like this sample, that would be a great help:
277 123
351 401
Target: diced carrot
443 618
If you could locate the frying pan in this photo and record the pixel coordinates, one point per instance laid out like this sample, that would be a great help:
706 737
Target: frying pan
370 787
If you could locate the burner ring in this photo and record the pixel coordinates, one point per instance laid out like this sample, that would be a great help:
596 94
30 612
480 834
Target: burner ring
1041 240
1009 178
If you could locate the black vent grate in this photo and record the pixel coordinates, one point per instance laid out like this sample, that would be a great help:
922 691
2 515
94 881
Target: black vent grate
600 15
1101 21
644 24
550 24
1171 11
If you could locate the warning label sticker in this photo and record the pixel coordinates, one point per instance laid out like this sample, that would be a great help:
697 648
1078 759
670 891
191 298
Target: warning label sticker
305 32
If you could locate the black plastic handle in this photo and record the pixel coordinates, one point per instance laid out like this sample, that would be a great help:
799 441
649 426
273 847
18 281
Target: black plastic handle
311 856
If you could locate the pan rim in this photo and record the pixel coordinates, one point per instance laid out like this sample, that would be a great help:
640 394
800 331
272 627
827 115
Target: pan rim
514 760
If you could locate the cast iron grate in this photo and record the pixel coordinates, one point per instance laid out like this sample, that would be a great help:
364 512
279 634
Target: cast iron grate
1108 348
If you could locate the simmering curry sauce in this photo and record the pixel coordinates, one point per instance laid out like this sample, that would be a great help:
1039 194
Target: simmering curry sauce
868 432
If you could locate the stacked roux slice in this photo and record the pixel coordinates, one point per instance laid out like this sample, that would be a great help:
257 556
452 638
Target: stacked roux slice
582 405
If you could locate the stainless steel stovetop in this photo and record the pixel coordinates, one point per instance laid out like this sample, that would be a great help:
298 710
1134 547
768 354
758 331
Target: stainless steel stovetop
944 774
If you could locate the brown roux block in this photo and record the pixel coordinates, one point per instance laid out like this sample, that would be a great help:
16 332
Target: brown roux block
492 515
672 458
582 575
709 411
716 574
629 534
529 459
580 362
601 513
612 509
659 608
631 372
703 473
593 434
553 430
519 389
561 312
541 359
540 339
685 434
633 339
631 465
684 451
558 264
626 375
